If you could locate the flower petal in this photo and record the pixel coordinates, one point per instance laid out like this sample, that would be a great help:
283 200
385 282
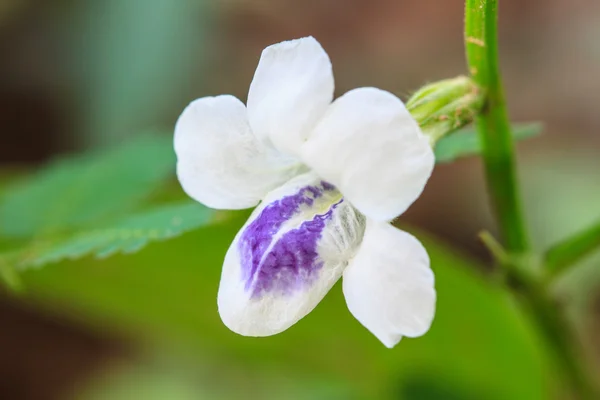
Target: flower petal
369 146
388 285
220 163
288 255
291 89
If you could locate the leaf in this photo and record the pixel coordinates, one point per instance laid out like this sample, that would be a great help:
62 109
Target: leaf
465 142
127 236
431 387
172 376
138 60
568 252
8 276
80 190
167 293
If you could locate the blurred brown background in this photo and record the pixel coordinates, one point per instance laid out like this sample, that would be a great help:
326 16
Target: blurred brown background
55 60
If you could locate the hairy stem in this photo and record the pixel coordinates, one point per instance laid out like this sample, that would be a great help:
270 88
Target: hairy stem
519 267
492 123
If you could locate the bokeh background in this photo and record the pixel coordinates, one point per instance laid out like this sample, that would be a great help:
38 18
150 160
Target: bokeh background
82 75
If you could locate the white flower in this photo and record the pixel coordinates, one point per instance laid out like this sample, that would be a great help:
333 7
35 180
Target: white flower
329 177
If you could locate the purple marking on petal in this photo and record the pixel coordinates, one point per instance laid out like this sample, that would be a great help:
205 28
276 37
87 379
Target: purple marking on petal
292 262
327 185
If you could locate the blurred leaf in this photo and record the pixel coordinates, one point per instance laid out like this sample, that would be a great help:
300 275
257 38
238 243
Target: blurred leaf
465 142
9 276
146 381
573 249
83 189
174 377
140 60
127 236
432 387
561 192
168 292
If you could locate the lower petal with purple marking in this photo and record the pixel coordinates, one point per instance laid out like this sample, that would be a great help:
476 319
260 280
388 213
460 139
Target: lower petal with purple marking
288 255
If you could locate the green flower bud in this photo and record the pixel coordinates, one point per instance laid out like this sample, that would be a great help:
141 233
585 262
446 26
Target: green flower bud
444 106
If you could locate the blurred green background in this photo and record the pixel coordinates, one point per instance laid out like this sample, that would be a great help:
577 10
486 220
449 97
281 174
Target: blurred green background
80 76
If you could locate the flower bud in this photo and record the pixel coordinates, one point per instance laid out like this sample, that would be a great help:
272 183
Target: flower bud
444 106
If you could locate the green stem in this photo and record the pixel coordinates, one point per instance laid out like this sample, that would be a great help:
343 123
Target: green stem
568 252
556 330
493 125
498 153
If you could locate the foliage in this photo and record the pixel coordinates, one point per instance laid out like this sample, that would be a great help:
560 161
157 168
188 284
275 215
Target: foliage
84 190
168 291
573 249
161 290
127 235
88 200
484 343
90 206
521 265
466 142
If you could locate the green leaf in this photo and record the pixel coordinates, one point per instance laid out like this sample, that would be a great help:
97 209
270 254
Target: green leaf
126 236
465 142
167 293
171 376
568 252
8 276
84 189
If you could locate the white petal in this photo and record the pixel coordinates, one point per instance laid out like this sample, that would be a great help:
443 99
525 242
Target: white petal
389 286
220 163
291 89
369 146
288 255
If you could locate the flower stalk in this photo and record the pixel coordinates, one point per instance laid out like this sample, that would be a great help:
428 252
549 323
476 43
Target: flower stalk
523 274
493 126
